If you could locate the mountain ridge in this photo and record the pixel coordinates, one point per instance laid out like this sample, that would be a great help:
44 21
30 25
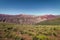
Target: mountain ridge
25 19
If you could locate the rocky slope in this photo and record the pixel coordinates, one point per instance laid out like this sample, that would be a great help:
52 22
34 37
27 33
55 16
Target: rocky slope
24 19
55 21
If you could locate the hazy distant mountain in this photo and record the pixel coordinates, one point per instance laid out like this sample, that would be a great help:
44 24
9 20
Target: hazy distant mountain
25 19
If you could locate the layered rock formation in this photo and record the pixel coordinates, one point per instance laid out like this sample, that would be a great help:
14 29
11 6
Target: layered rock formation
24 19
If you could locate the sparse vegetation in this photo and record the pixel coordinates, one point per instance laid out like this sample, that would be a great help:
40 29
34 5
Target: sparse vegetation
29 32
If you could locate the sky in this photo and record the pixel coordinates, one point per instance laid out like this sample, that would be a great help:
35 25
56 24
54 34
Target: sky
30 7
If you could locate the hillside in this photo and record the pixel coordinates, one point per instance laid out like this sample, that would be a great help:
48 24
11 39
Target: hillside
48 27
55 21
24 19
10 31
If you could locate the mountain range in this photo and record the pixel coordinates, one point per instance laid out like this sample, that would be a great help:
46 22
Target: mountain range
29 19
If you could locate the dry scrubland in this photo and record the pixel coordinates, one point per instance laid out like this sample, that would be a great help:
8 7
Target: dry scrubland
29 32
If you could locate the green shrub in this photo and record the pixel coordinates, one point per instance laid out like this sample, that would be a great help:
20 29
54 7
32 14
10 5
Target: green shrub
54 33
40 37
35 38
17 38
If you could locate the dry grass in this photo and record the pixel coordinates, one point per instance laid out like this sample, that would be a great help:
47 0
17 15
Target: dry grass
29 32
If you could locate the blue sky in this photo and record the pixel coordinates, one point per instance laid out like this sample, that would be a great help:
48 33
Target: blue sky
32 7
